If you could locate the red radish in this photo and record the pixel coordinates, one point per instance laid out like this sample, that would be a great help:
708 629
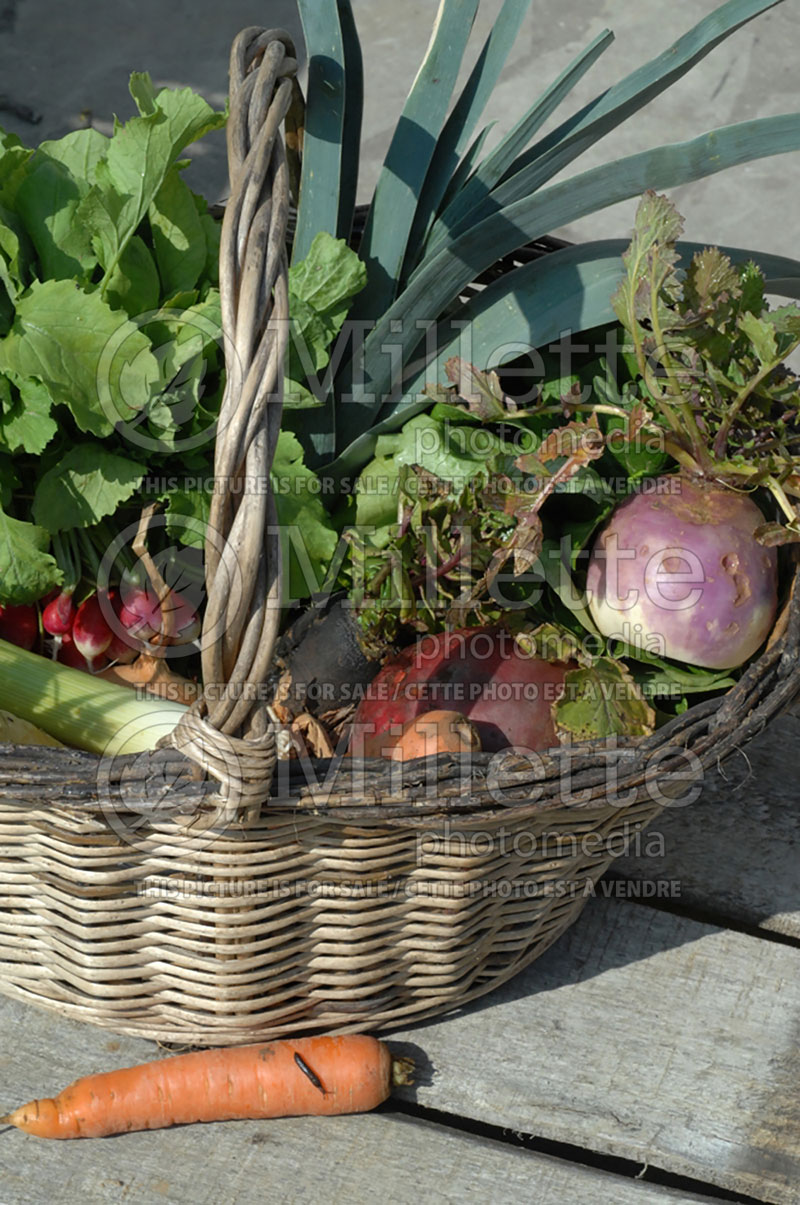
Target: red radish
124 646
141 613
480 672
90 631
123 649
19 625
67 654
58 615
64 651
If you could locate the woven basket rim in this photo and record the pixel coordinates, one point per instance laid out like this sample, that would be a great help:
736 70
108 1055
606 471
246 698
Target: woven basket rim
415 793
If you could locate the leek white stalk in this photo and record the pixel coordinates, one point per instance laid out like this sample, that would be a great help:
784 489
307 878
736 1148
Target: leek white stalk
81 710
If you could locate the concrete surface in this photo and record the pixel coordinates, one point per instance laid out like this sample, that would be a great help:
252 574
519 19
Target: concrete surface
70 63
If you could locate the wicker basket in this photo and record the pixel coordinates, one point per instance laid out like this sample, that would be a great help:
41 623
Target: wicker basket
205 894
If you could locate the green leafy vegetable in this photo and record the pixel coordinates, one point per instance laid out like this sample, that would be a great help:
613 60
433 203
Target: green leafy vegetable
140 155
26 424
187 515
710 355
27 571
308 536
602 700
83 487
91 358
109 329
47 201
321 287
178 231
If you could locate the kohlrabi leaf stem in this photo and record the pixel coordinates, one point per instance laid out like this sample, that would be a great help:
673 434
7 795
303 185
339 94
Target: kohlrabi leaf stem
744 393
686 420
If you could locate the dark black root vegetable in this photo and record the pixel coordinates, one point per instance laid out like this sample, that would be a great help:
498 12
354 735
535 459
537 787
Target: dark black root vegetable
325 661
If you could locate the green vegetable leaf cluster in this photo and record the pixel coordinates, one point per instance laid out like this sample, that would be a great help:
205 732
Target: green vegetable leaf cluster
710 355
111 368
321 288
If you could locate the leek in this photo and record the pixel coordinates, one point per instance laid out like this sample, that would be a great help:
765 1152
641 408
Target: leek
80 710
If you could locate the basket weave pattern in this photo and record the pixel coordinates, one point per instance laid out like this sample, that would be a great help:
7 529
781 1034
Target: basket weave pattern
262 901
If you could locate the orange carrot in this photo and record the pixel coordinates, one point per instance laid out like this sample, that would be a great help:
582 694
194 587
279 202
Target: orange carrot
309 1076
435 732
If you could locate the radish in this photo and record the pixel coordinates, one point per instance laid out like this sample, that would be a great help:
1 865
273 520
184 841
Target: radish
482 673
66 653
123 649
678 571
58 615
143 616
91 633
19 625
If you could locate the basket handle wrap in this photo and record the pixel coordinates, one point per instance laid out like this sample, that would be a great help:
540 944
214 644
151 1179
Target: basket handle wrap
227 732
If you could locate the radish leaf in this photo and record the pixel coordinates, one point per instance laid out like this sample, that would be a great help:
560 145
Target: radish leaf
88 483
133 286
27 571
178 235
26 424
47 202
187 515
90 357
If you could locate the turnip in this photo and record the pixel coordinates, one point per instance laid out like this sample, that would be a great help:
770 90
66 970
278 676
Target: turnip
677 571
482 673
682 569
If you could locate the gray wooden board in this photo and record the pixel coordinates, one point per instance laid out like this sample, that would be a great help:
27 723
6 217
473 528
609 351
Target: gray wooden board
645 1035
736 850
383 1156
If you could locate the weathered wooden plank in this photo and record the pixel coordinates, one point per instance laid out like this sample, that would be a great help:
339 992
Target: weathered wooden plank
358 1159
736 850
644 1035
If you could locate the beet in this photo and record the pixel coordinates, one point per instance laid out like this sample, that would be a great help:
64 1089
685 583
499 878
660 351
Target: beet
480 672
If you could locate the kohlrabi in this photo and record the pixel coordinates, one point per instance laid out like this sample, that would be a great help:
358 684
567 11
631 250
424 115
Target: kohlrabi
678 571
689 569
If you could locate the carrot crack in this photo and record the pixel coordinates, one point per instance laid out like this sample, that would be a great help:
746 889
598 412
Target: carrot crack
306 1070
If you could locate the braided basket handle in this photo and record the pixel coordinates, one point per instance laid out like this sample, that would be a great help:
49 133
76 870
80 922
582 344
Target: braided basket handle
227 732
